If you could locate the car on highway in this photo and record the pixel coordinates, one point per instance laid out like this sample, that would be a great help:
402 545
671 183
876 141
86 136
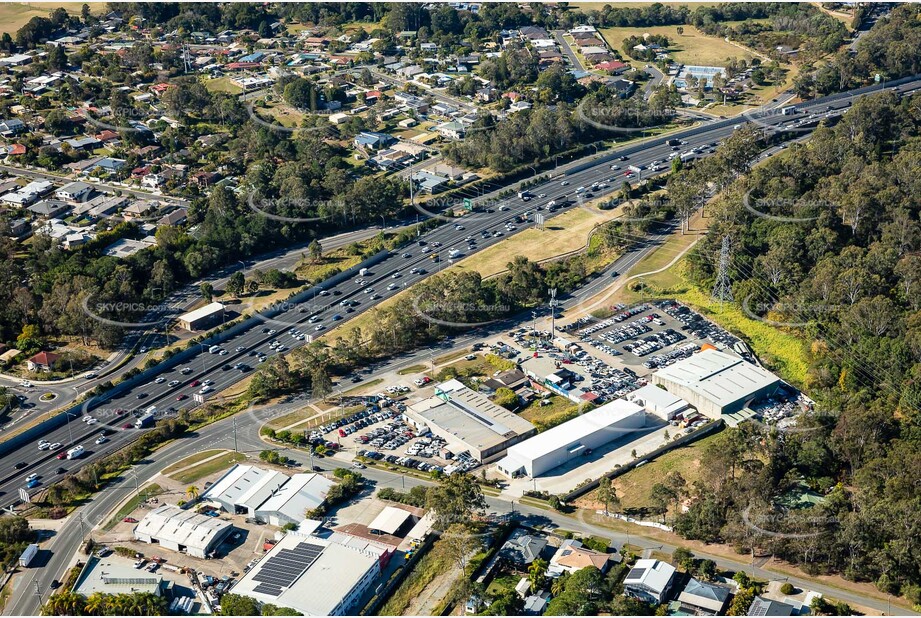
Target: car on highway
61 471
43 445
101 440
565 183
239 348
31 477
125 426
185 371
92 421
55 446
182 397
62 455
33 483
318 327
194 383
160 380
204 389
90 375
20 465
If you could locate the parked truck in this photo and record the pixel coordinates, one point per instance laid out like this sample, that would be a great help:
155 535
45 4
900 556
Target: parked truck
28 555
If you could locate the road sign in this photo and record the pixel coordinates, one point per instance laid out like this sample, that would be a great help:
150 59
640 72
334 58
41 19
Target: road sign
468 203
539 220
198 398
24 495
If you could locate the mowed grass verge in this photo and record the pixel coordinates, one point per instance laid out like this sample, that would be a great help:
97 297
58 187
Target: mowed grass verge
132 504
191 460
208 468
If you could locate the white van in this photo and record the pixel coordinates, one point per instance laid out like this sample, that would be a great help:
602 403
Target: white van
214 349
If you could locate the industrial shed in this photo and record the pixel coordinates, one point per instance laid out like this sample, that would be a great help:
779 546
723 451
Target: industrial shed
302 493
183 531
210 315
469 421
244 488
574 438
716 383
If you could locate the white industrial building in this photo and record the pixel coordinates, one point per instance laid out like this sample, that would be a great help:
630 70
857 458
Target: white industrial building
574 438
658 401
715 382
268 495
469 421
243 489
301 493
316 577
182 531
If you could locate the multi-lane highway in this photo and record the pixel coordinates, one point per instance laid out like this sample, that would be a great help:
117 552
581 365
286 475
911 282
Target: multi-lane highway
396 272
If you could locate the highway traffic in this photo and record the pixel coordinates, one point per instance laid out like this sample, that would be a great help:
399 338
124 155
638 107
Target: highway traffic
211 371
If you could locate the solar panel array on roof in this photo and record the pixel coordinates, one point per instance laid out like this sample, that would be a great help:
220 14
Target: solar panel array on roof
283 569
636 573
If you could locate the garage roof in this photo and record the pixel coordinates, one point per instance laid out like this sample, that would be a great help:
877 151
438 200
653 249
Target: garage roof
389 520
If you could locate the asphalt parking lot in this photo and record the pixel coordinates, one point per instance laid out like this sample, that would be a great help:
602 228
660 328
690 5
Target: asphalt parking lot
649 336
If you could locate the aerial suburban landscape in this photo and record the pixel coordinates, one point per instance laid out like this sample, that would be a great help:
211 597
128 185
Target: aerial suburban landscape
460 308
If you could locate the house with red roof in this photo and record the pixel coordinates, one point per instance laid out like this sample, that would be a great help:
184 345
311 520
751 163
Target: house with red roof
43 361
613 66
17 149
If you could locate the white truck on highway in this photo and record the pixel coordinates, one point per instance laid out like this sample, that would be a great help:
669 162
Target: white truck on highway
28 555
789 110
75 452
362 272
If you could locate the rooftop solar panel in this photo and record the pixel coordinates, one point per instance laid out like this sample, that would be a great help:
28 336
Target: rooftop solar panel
283 569
635 573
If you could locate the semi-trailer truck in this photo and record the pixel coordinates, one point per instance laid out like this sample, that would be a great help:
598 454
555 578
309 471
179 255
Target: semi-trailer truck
28 555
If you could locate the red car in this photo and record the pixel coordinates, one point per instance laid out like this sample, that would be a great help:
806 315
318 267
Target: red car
130 520
181 397
120 411
195 383
62 455
127 426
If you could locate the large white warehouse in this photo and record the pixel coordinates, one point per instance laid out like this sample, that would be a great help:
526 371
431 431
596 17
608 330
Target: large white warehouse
558 445
716 383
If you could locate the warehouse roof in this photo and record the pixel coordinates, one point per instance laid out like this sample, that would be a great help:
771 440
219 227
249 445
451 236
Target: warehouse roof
717 376
302 493
182 527
310 575
574 430
470 416
202 312
245 485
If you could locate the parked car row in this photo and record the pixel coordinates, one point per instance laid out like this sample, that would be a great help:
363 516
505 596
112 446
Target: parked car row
664 360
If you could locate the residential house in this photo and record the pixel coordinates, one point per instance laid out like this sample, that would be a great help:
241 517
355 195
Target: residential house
703 598
572 556
452 129
536 604
205 179
522 548
769 607
615 67
650 580
11 127
75 192
76 239
152 181
139 210
373 141
429 183
83 143
176 217
43 361
50 208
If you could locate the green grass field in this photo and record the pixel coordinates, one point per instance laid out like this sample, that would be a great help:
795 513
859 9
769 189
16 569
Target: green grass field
191 460
693 47
132 504
544 417
208 468
14 15
222 84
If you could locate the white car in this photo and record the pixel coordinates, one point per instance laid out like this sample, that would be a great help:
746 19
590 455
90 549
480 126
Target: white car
160 380
55 446
31 477
204 390
101 440
565 183
240 348
185 371
318 327
207 382
92 421
222 353
541 195
173 383
87 418
25 384
43 445
90 375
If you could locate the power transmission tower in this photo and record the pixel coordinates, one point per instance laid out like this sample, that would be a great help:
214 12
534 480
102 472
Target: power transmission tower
552 313
186 62
722 289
